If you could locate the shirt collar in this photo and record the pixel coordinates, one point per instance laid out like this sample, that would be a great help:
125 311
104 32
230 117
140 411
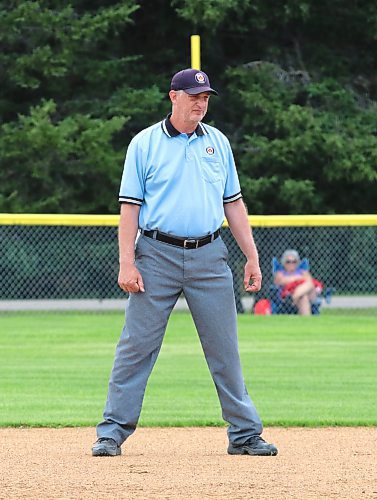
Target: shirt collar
171 131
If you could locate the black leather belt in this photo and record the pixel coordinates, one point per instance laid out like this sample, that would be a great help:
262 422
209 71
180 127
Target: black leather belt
188 243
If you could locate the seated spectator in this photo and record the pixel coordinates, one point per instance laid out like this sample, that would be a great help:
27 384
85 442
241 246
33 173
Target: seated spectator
297 283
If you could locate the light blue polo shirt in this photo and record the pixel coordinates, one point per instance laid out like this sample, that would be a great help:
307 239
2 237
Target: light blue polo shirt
181 183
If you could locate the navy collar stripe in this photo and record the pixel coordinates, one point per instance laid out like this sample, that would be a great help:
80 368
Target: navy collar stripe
171 131
204 130
164 128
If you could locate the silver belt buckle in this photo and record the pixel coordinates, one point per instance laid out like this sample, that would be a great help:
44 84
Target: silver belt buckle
190 240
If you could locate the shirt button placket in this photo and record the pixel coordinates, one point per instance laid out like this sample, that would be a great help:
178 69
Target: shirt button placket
188 155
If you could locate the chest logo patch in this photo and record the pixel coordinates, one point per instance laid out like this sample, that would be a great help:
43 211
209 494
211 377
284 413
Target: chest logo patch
210 150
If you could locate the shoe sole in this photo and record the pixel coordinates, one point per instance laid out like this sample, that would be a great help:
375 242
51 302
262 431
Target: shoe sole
243 450
106 453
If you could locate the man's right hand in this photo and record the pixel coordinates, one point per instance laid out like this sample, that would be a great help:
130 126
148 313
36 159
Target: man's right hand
130 279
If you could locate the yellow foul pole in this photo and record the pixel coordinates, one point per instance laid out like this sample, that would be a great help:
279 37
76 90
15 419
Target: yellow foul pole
195 51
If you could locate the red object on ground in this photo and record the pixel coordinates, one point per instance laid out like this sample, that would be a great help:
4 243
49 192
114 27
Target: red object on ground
263 307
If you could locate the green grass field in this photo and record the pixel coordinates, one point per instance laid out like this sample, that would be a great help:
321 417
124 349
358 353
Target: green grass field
299 371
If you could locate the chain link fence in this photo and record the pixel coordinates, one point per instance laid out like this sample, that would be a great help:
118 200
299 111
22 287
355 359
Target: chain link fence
39 262
343 258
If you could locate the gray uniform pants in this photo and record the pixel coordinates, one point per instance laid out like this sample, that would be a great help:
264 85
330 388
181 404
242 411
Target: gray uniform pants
206 281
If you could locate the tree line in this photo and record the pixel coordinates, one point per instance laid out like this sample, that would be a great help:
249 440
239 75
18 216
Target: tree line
297 82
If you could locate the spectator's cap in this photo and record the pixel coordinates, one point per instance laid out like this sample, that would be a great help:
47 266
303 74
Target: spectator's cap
290 253
192 81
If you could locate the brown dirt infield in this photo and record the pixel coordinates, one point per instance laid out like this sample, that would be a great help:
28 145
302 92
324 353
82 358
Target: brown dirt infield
188 463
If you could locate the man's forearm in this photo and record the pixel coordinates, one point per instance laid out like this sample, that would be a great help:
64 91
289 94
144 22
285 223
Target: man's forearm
238 222
128 227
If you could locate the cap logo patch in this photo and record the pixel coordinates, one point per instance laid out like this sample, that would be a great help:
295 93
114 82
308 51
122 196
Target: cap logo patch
200 78
210 150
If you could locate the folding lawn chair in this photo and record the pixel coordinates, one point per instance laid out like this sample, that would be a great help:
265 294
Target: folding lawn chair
285 305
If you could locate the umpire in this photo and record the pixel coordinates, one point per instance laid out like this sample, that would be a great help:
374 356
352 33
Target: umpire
179 181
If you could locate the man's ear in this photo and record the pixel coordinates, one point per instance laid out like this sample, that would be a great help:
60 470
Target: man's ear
173 96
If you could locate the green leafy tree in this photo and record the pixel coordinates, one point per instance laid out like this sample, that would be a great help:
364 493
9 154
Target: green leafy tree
303 147
70 100
64 165
297 83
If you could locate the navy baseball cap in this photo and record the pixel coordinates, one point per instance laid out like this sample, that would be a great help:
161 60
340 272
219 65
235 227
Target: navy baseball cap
192 81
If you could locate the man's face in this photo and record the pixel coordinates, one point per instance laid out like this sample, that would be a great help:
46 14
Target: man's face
190 108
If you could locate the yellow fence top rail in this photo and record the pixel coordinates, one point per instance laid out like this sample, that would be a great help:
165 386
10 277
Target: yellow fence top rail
313 220
255 220
58 220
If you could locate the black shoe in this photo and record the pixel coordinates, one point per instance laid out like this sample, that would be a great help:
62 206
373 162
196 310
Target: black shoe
253 446
105 447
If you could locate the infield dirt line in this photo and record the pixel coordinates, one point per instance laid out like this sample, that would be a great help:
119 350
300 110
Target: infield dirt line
189 463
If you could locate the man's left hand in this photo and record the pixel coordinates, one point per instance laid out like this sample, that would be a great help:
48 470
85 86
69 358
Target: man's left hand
253 277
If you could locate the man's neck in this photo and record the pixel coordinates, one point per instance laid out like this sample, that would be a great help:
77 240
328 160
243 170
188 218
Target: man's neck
183 126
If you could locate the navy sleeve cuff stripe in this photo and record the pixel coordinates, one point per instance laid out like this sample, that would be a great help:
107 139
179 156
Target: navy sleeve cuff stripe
129 199
234 197
129 203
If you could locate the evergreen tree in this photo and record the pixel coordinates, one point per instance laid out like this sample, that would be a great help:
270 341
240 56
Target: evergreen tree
297 82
